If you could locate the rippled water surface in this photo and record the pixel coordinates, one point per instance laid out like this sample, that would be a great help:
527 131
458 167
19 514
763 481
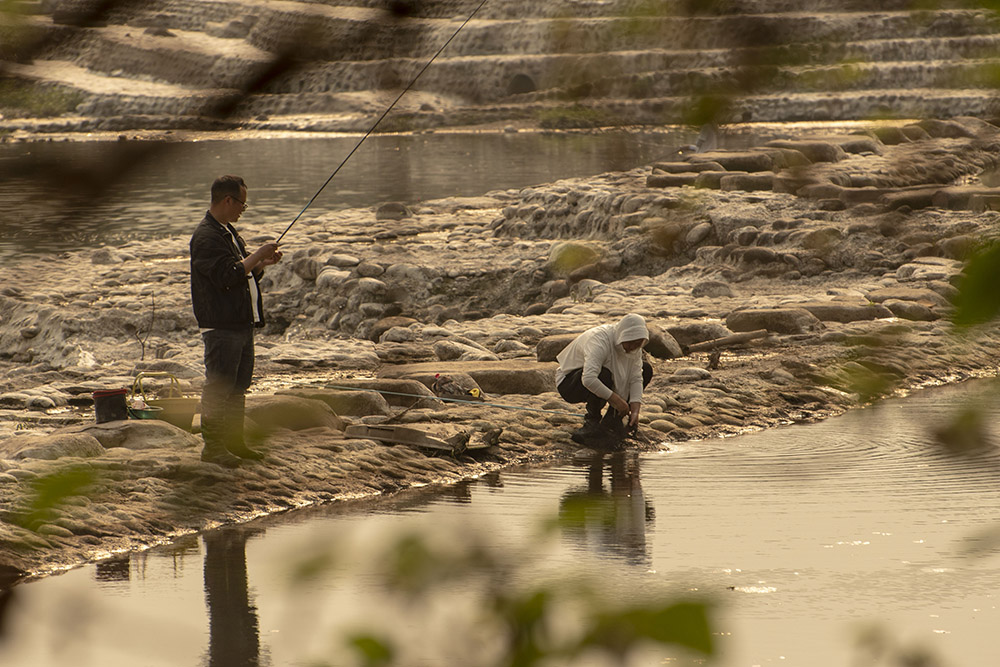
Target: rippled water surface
162 189
803 536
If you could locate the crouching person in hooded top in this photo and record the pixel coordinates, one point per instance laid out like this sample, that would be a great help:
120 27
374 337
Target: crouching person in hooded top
604 366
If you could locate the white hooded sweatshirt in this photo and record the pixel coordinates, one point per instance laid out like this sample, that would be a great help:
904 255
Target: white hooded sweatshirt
600 347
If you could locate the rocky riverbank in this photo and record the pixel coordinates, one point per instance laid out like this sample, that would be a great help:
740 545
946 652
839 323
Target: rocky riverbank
785 283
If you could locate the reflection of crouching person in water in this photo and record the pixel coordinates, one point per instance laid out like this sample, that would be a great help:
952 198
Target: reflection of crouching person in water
604 365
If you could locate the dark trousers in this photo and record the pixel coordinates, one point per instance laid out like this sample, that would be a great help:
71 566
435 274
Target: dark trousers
573 391
228 372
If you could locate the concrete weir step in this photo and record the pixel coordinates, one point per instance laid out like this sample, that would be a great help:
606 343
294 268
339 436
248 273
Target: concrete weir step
626 59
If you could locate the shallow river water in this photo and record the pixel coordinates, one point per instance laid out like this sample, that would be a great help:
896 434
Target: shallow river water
804 538
145 190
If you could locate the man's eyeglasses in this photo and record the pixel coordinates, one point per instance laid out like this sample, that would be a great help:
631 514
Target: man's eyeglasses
245 205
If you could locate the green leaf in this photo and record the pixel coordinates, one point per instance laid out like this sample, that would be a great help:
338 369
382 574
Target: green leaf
49 491
978 299
682 624
373 651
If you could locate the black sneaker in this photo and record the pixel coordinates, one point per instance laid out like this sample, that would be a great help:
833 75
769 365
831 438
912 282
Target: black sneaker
587 434
613 425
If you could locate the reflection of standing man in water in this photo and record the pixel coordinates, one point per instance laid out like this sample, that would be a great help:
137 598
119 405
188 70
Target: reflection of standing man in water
614 521
234 639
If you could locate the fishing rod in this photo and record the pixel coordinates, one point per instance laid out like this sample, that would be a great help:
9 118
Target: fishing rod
453 400
633 432
381 118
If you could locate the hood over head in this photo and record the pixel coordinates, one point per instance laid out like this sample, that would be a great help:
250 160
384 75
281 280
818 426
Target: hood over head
631 327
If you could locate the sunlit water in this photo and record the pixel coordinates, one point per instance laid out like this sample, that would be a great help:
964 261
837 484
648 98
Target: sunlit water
804 537
162 189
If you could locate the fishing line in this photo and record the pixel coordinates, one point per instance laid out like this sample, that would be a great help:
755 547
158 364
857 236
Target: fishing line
381 118
453 400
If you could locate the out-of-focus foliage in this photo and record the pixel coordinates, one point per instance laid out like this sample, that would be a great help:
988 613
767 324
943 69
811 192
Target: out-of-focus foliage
874 646
966 432
978 299
373 651
868 384
516 613
49 492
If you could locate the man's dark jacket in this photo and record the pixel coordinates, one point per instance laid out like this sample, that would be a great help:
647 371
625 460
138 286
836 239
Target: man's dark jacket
220 292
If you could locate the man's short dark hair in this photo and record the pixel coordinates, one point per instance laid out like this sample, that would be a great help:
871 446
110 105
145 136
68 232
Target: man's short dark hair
227 186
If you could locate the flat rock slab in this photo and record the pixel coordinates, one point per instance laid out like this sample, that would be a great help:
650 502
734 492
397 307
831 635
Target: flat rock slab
671 180
442 437
844 312
686 167
778 320
493 377
925 296
815 151
738 160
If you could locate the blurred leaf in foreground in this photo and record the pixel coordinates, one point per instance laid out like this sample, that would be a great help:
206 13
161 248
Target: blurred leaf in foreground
978 299
48 492
374 652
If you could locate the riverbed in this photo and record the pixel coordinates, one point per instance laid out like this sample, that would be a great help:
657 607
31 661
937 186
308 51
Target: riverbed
803 539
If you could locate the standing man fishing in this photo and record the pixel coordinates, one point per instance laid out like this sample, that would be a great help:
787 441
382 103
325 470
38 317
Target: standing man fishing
225 293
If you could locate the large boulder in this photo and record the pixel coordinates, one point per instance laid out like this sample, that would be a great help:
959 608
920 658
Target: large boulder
291 412
661 344
911 310
386 323
913 198
568 256
689 333
778 320
345 402
392 211
549 347
918 294
737 160
514 376
449 350
671 180
397 393
890 135
51 446
686 167
948 129
712 289
761 180
815 151
139 434
713 179
834 311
